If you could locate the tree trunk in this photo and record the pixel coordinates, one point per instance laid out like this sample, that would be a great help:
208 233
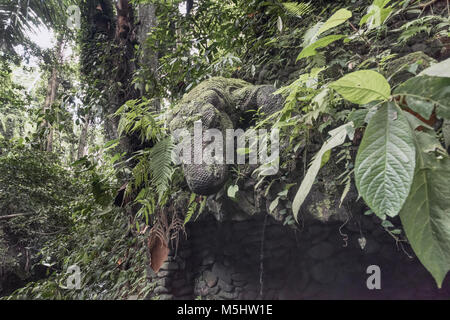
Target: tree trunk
122 59
147 22
97 38
82 146
50 98
148 59
125 64
52 89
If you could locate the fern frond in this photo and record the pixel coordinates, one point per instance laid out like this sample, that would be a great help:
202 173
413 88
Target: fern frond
190 212
421 22
136 117
161 165
141 172
298 9
414 31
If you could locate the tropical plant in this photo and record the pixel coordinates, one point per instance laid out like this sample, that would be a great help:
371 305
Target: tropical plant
19 17
399 170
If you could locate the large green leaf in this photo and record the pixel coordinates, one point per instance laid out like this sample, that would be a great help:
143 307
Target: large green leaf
385 163
323 42
336 19
423 93
376 14
441 69
337 138
312 34
362 87
426 213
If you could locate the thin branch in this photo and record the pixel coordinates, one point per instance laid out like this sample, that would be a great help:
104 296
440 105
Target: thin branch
361 36
424 5
15 215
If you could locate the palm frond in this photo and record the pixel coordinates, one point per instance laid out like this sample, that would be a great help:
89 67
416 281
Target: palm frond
19 17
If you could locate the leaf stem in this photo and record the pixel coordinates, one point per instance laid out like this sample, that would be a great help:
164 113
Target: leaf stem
360 36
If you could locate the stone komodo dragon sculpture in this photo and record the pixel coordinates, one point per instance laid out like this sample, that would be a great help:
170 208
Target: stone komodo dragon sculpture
219 103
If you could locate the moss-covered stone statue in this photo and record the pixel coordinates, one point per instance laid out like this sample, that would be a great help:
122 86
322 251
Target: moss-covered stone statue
401 69
222 104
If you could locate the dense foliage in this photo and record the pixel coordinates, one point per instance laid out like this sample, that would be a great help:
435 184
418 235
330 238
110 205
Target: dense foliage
357 98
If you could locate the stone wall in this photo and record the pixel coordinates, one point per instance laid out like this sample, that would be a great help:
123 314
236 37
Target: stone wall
225 260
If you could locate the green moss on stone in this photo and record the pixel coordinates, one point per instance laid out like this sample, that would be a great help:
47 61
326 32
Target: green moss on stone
399 69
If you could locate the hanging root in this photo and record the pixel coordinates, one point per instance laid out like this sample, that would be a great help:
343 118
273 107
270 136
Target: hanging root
261 260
